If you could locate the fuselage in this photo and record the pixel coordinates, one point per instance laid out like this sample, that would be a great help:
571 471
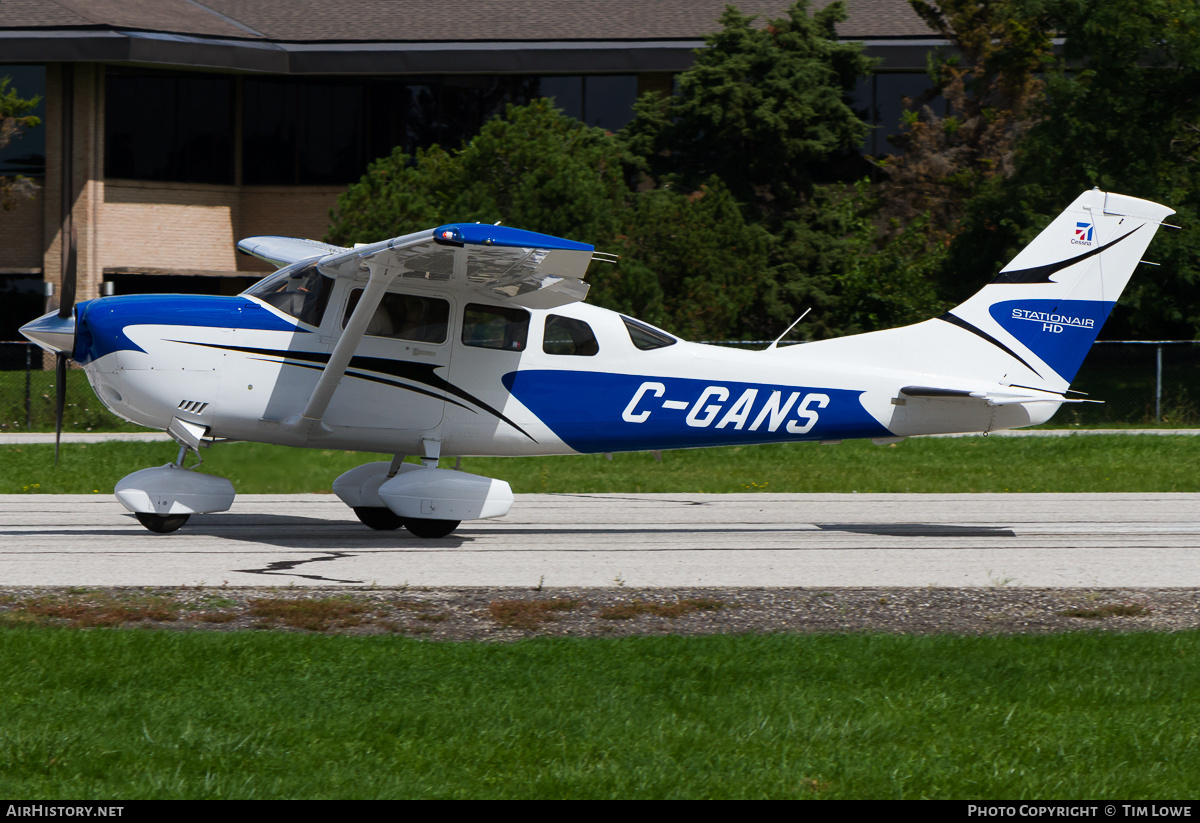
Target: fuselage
486 379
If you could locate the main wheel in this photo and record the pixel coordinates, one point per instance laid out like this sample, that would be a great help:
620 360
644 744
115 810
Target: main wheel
378 518
421 527
162 523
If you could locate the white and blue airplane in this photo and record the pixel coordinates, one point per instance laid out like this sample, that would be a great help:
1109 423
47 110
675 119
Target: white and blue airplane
473 339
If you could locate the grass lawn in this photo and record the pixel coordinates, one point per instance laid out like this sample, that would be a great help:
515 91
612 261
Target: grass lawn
131 714
1080 463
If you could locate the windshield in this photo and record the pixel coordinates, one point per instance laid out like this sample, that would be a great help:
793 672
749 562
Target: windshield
301 292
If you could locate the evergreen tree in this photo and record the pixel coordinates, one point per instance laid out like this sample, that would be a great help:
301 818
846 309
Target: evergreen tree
687 262
964 130
1121 112
765 110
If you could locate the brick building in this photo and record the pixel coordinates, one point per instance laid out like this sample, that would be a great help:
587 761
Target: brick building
194 123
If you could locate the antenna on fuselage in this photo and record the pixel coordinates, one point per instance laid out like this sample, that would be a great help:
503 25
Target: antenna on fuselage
775 342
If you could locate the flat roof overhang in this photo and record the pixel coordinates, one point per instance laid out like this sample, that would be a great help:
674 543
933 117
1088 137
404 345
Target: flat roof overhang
465 57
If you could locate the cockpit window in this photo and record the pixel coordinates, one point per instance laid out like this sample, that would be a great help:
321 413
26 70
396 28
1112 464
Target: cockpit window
302 293
493 327
405 317
646 337
566 335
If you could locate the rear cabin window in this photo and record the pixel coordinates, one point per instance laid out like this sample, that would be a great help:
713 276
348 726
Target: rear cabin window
646 337
303 293
493 327
405 317
566 335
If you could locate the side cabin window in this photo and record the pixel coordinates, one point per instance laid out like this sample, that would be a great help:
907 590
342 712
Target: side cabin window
647 338
566 335
405 317
494 327
302 293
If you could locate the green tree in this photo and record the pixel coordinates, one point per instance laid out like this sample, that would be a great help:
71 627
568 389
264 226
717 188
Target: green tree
533 167
706 265
964 130
1121 112
14 120
687 261
764 109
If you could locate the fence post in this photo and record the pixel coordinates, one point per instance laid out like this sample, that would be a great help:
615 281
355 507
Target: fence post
28 368
1158 387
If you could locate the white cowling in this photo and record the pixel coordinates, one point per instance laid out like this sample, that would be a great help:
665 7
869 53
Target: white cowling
170 489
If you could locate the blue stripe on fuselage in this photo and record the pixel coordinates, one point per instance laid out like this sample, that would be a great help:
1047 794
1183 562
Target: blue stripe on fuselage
601 412
100 324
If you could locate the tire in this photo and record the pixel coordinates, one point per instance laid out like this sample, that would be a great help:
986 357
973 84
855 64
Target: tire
431 528
162 523
378 518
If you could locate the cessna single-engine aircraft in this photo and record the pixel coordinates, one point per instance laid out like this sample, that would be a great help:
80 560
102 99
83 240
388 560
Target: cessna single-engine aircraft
473 339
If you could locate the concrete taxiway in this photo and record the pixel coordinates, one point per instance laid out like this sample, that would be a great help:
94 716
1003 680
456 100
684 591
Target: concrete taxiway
1084 540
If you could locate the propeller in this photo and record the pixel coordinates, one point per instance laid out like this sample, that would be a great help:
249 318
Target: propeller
70 273
66 306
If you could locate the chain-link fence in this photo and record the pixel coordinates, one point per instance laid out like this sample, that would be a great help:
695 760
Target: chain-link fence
1151 382
27 395
1141 383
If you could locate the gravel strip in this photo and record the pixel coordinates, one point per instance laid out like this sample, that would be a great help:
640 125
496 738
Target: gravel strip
504 614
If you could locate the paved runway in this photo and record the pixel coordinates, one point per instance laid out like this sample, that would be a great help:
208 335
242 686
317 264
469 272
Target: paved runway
1084 540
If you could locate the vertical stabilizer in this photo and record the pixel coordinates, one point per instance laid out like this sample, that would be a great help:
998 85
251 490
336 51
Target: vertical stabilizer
1046 307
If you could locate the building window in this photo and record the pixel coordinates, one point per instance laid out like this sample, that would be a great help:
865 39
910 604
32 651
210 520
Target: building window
26 155
599 100
169 127
303 132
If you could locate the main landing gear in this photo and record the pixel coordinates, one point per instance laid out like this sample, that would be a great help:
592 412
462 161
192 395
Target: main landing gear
427 501
386 520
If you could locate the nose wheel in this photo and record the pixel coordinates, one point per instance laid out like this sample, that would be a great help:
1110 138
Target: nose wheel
162 523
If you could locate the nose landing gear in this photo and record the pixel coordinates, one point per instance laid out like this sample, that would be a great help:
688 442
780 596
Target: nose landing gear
163 498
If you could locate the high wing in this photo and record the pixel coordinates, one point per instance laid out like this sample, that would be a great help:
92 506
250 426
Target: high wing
523 268
283 251
497 263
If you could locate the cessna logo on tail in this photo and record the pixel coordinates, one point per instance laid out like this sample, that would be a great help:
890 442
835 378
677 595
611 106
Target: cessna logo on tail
711 408
1083 234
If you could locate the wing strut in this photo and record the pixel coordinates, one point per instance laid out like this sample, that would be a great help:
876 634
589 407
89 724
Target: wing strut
343 351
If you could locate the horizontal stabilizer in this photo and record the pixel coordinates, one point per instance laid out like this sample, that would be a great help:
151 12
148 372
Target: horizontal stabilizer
990 398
